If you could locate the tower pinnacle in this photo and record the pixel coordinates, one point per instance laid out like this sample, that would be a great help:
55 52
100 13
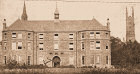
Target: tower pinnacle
56 13
24 14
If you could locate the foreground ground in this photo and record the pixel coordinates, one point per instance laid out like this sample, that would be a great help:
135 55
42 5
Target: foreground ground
68 71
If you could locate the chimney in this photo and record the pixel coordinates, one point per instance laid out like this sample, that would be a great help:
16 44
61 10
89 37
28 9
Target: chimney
4 24
108 24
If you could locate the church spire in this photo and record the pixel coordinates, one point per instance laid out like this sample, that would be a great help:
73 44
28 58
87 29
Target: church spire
132 12
24 14
56 13
126 13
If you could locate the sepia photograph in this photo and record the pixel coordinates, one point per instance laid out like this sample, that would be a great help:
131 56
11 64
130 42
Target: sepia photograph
69 36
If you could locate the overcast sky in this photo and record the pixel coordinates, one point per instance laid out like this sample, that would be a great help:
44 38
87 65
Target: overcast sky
44 10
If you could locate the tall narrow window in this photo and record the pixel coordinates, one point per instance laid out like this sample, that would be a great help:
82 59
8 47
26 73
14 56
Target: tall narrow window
97 34
29 60
83 60
41 36
106 59
70 36
56 47
92 45
40 46
55 36
83 35
106 35
5 35
19 45
13 35
71 46
29 35
19 36
106 47
91 35
29 45
97 44
5 60
83 45
13 45
40 60
97 59
71 60
92 59
5 45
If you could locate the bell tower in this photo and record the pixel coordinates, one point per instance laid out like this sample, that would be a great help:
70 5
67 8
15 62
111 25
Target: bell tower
56 13
130 26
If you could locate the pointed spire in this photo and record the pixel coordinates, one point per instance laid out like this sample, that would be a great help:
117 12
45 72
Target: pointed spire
56 13
24 14
126 12
132 12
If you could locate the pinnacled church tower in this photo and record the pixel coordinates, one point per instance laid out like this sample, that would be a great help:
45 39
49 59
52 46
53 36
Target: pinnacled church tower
130 27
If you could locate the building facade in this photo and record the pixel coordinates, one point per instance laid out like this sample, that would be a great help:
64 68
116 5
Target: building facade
130 26
57 42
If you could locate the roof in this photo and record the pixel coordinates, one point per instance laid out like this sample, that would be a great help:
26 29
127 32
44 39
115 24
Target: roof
59 25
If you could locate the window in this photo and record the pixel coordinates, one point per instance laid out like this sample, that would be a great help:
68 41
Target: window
70 36
71 46
83 60
5 45
13 45
91 35
97 34
56 46
19 45
5 35
40 46
82 45
19 59
97 44
29 60
97 59
106 47
41 36
29 45
20 36
71 60
91 45
29 35
13 35
55 36
83 35
5 60
40 60
106 35
106 59
92 59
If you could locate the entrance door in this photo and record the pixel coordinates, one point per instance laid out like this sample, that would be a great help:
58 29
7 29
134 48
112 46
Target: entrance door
56 61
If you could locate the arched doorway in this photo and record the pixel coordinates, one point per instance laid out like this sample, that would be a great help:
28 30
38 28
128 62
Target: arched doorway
56 61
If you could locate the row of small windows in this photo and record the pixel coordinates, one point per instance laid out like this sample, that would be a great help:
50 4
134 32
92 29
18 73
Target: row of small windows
95 59
92 35
19 59
93 45
56 46
19 45
71 36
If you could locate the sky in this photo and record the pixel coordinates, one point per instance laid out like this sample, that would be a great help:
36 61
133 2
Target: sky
11 10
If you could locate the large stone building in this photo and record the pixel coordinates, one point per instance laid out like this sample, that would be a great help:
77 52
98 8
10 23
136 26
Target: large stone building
57 42
130 26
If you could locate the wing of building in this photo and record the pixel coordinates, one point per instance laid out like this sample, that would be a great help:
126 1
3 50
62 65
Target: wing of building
57 42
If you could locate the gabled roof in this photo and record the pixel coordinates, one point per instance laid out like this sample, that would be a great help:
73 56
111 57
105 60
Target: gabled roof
57 25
